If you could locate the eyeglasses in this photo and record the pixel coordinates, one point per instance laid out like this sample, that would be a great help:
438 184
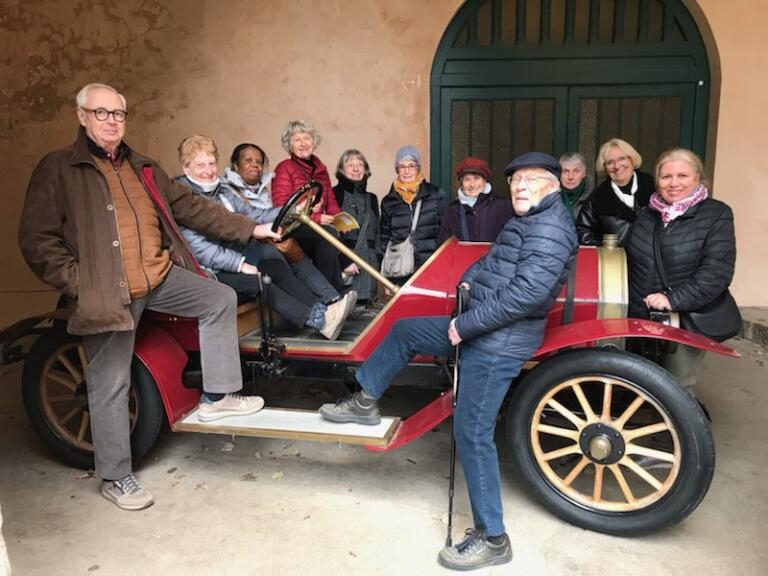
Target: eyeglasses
102 114
612 163
516 180
404 167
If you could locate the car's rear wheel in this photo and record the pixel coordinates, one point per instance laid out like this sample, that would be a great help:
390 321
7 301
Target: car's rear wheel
610 442
56 400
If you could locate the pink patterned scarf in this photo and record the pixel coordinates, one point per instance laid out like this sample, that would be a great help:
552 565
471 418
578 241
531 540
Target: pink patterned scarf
671 211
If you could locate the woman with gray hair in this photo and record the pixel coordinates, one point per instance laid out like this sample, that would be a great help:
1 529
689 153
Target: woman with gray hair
575 184
616 202
300 139
352 173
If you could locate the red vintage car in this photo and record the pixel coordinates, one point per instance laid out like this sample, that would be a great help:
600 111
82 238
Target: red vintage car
603 437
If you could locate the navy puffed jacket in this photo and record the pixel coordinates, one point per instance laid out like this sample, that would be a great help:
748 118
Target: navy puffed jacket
396 219
513 287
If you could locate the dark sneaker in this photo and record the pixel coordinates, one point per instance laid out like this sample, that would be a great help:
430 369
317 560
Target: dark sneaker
230 405
127 493
475 551
350 409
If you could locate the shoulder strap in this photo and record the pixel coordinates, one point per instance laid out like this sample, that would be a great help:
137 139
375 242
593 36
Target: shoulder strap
657 258
416 213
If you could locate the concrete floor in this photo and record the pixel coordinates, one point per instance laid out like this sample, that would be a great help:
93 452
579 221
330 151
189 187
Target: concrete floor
259 506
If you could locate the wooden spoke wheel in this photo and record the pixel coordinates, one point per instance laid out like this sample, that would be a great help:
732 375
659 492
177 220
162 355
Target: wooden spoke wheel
56 400
300 202
610 441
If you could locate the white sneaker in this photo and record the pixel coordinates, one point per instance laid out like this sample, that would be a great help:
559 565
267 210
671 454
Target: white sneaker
335 315
351 299
230 405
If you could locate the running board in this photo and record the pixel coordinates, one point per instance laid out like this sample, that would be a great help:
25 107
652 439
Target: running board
293 425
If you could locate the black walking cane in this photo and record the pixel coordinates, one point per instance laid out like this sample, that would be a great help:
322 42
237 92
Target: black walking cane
462 297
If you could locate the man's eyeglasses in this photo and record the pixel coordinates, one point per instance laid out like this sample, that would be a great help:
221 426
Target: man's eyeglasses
516 180
404 167
102 114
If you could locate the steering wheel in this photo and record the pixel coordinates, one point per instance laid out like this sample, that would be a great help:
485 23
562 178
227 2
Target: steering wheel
288 217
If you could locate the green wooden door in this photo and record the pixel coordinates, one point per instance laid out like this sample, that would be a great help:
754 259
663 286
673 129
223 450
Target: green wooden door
562 75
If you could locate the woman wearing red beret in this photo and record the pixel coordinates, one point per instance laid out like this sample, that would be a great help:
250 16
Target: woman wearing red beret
477 215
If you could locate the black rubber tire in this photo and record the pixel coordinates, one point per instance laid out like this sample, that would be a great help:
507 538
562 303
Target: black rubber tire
690 471
146 401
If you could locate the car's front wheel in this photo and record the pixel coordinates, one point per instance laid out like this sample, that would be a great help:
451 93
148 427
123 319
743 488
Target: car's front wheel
610 442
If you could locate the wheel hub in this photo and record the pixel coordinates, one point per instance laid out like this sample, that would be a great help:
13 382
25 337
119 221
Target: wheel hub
602 443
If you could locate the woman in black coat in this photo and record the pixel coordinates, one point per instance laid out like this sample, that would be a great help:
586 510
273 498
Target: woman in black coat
615 203
352 173
698 250
399 205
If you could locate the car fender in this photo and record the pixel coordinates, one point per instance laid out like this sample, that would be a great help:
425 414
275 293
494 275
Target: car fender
590 331
165 359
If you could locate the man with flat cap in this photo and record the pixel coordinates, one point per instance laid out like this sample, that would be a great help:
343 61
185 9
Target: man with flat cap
511 290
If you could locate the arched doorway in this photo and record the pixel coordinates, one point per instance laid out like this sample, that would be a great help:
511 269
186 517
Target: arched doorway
554 75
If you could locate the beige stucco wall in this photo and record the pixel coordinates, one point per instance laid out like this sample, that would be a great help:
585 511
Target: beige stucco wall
238 70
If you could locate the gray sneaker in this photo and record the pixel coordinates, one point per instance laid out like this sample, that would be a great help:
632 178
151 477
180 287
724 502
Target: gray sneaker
475 551
230 405
350 409
127 493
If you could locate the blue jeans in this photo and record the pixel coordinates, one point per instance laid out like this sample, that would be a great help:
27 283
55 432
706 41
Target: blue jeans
484 381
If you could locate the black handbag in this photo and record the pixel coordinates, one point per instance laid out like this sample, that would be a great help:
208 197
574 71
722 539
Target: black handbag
719 319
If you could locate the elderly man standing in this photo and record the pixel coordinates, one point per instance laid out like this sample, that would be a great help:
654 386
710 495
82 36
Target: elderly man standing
99 224
511 291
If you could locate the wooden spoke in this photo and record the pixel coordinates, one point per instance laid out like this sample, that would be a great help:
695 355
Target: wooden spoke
563 411
558 431
76 374
650 453
588 412
59 398
641 472
83 358
85 423
622 420
69 415
559 453
622 481
607 399
63 378
597 487
630 435
578 469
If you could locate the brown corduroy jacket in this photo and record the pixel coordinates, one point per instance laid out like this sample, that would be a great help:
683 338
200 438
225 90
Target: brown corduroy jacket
68 232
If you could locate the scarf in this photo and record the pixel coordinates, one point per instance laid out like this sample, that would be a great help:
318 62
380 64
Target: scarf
669 212
206 187
470 200
627 198
408 190
570 197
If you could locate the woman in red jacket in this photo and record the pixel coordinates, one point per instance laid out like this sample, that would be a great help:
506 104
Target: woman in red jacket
300 139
